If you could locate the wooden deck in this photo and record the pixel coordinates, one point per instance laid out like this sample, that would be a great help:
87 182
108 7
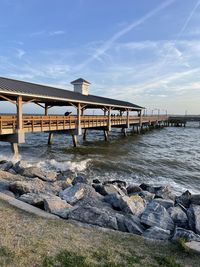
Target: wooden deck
8 124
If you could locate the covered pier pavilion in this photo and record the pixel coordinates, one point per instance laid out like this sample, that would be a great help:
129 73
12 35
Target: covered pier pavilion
14 127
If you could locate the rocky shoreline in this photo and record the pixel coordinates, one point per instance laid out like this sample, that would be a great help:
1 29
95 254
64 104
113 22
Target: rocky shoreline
153 212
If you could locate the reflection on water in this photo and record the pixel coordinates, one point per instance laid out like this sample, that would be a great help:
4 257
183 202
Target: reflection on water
167 156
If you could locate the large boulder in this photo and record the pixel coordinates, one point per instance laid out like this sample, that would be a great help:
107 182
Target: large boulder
155 232
164 192
33 172
93 215
195 199
157 215
57 206
79 179
132 189
134 204
178 216
79 191
184 199
6 166
131 224
119 183
188 235
35 199
28 186
166 203
108 189
194 218
146 195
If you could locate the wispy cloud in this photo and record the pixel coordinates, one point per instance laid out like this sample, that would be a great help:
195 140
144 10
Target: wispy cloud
53 33
108 44
20 53
47 33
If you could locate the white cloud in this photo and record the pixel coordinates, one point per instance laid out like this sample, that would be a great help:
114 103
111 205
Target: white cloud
20 53
59 32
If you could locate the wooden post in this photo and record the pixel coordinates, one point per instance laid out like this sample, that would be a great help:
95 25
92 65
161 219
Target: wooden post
84 134
128 124
15 149
140 121
50 139
20 132
79 130
109 119
106 136
124 131
46 110
19 113
74 139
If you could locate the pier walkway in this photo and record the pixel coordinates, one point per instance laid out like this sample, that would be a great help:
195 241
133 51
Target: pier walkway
8 124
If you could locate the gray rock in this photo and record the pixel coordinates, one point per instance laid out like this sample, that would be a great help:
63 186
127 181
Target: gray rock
166 203
155 232
194 218
188 235
146 195
74 193
108 189
8 193
93 215
164 192
57 206
147 187
32 186
178 216
118 183
6 166
133 224
35 199
131 189
157 215
134 204
79 179
184 199
195 199
33 172
19 167
96 181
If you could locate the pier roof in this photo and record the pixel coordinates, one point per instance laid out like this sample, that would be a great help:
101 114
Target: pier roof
56 96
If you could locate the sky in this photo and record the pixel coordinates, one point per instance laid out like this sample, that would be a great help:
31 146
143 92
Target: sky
145 52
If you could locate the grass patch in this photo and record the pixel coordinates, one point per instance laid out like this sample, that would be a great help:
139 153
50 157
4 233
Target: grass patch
6 256
165 261
65 259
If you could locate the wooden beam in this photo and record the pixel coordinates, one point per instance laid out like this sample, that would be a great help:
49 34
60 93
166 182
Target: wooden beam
8 99
39 105
32 100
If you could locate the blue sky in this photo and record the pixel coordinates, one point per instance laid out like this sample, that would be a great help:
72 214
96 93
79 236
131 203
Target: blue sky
146 52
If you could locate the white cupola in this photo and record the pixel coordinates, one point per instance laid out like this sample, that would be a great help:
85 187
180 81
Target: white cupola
81 86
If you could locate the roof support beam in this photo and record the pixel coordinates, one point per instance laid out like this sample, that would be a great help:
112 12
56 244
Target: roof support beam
8 99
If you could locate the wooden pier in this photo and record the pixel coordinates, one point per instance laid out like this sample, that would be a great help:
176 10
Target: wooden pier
116 113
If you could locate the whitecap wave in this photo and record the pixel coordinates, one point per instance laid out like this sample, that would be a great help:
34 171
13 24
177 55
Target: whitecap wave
74 166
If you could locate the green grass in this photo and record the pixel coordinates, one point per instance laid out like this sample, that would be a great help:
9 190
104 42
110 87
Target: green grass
165 261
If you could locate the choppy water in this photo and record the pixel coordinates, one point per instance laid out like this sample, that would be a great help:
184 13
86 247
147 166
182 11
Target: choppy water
165 156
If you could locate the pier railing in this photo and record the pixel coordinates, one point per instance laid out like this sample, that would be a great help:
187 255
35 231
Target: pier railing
8 124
